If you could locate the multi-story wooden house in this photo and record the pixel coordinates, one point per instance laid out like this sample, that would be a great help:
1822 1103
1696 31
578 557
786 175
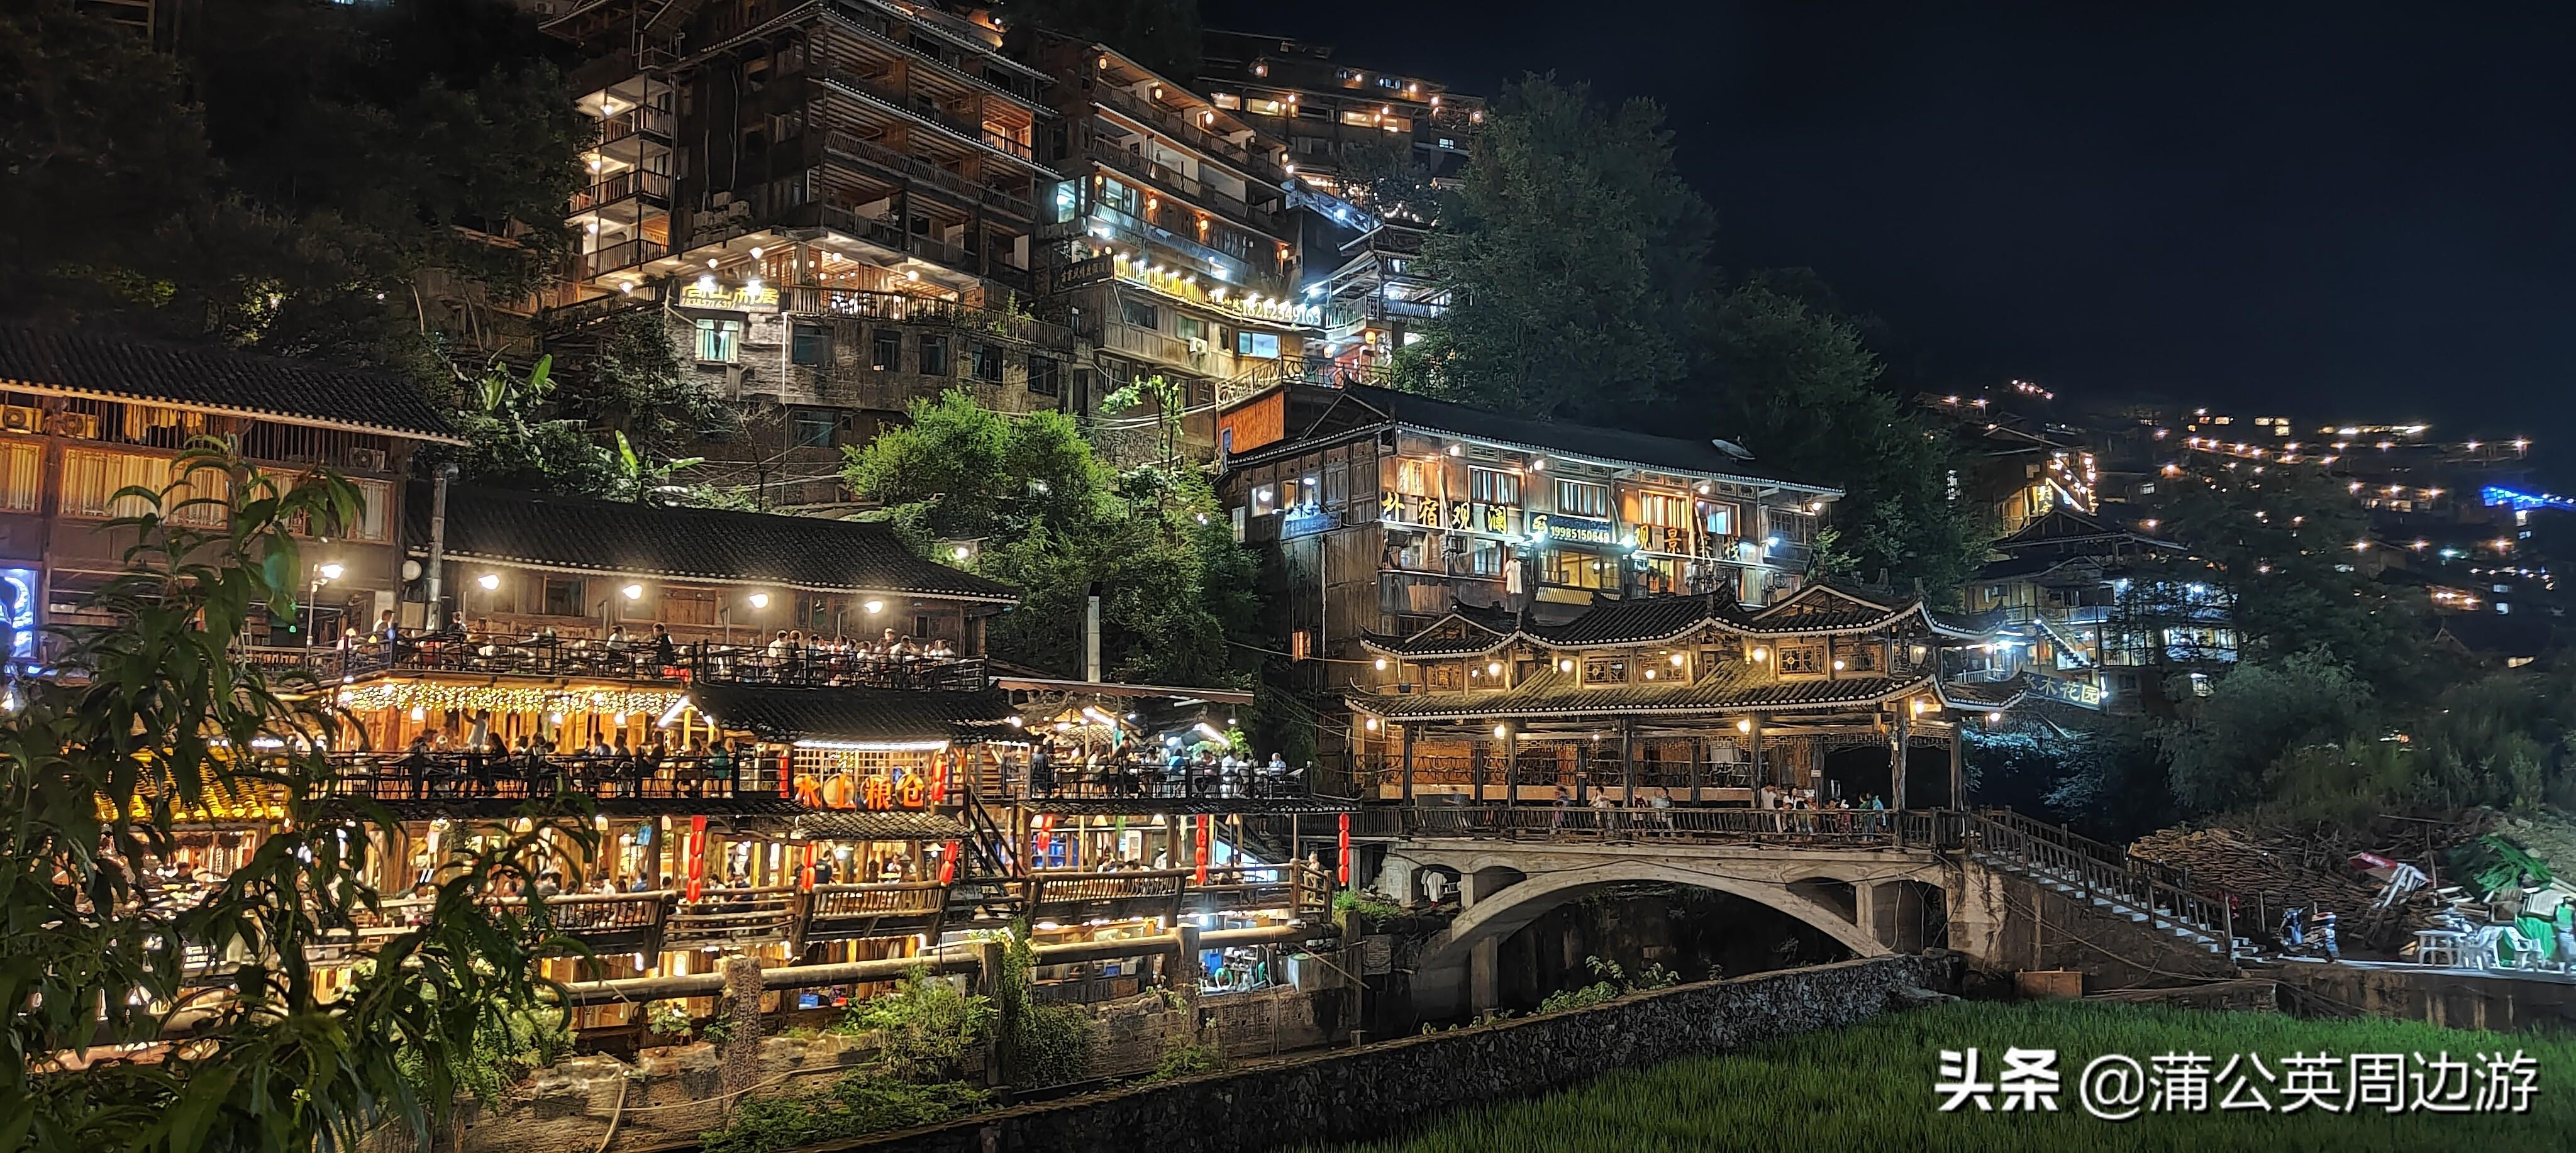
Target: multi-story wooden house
829 206
1388 510
83 417
1829 694
1170 243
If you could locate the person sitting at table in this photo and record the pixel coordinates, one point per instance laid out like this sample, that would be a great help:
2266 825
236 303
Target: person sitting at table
665 652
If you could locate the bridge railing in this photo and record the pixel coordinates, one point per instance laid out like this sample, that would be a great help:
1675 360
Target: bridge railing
1859 827
2038 849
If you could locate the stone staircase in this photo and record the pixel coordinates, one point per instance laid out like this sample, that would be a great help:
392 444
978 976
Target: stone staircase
2103 879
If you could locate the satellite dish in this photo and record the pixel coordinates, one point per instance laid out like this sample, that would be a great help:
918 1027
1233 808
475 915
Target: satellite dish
411 570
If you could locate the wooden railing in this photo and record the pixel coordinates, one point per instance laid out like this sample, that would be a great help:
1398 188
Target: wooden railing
2095 869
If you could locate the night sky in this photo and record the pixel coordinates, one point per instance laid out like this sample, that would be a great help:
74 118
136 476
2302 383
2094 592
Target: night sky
2350 213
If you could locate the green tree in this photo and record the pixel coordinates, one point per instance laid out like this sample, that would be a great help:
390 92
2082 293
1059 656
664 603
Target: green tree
1057 521
2289 545
100 770
627 379
2225 754
1574 259
2501 740
292 177
1799 388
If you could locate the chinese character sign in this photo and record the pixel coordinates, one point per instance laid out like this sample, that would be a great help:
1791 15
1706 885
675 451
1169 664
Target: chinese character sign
2121 1087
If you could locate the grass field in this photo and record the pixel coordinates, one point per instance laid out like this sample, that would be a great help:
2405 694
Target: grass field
1870 1088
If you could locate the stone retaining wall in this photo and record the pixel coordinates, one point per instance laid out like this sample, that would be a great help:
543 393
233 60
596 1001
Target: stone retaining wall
1370 1091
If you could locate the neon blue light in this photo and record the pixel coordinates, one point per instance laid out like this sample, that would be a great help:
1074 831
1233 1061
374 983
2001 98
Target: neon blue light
2495 495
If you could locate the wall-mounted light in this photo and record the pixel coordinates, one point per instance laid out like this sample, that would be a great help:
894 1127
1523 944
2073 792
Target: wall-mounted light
489 581
758 600
874 606
633 592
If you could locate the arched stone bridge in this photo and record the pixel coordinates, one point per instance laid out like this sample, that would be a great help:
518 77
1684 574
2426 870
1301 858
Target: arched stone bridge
1874 882
1871 900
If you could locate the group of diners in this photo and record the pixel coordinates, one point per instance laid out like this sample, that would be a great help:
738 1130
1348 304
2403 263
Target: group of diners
1167 771
787 656
482 764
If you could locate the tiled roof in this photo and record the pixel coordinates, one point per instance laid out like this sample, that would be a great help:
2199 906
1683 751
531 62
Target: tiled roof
2062 527
1641 620
1549 693
880 825
855 714
1646 620
581 534
119 368
1313 805
1609 444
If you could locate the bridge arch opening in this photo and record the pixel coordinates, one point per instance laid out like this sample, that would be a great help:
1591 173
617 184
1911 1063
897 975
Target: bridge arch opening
1690 932
1513 947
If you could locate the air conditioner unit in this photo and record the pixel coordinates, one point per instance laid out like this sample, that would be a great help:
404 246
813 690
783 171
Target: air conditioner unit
1198 346
21 418
367 460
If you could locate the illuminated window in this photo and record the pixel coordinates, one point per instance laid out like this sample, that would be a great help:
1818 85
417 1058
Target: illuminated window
1718 519
1663 510
1577 498
1485 557
91 480
1581 570
22 475
1493 486
719 341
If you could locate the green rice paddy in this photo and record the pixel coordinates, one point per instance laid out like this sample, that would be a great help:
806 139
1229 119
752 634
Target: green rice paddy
1871 1088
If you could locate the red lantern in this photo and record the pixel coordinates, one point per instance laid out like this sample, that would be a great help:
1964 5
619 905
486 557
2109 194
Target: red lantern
787 771
948 863
697 855
808 877
1207 827
1345 843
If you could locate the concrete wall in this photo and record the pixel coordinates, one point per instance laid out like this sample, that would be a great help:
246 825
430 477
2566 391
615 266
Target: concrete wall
2010 923
2446 997
1376 1089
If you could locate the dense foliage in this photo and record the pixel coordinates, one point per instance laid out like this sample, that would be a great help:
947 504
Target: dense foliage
928 1028
856 1104
167 727
1037 1044
288 175
1577 266
1057 521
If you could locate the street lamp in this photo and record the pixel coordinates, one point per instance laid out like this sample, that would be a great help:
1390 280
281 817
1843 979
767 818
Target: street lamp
724 614
323 574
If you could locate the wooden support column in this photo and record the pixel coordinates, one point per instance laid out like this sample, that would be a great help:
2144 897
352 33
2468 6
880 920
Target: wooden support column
1699 749
1904 730
1476 767
1753 750
1958 768
1408 763
1511 766
1628 761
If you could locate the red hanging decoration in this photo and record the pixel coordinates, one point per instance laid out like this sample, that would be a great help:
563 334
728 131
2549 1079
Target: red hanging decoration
1344 878
1207 828
808 871
948 863
697 855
